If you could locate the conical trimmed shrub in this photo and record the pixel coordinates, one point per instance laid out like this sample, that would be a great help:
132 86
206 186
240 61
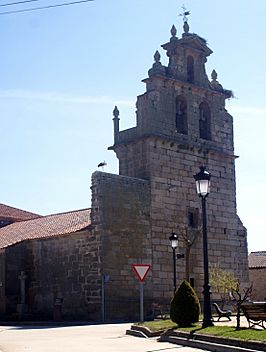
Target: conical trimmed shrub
185 306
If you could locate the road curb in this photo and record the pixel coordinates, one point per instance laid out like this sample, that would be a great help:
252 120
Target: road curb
145 331
136 333
212 343
207 342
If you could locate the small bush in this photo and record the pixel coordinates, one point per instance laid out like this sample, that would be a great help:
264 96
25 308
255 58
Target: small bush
185 306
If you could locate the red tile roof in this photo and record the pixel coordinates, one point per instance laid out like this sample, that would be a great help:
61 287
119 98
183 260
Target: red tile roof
45 226
257 259
14 214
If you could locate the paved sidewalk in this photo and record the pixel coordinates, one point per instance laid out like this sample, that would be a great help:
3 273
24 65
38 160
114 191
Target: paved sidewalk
226 322
85 338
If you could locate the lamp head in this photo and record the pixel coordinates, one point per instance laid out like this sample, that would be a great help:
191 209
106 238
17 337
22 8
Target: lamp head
174 240
202 179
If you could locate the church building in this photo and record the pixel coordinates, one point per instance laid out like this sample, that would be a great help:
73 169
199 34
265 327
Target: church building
85 265
182 124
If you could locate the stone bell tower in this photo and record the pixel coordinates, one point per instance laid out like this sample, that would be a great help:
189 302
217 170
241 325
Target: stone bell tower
182 124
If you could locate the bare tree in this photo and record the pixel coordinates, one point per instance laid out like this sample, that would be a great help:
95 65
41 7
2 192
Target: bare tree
225 283
240 295
189 237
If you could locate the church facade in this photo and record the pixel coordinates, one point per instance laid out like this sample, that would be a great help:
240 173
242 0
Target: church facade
181 125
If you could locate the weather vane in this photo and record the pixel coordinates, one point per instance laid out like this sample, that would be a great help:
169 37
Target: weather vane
185 13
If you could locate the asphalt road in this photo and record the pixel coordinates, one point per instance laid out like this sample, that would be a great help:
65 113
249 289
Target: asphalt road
84 338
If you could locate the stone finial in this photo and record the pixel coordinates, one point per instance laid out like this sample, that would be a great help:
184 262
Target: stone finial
116 112
214 83
157 56
186 27
116 124
173 31
157 67
214 75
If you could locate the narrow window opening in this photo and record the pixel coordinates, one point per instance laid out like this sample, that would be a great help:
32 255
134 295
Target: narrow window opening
191 220
181 115
192 282
192 217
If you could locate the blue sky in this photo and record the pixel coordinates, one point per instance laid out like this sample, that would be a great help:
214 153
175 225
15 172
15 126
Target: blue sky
63 70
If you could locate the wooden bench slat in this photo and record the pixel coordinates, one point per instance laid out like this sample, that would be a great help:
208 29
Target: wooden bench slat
255 314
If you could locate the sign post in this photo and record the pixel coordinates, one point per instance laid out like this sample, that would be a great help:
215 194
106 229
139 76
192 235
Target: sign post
141 270
141 313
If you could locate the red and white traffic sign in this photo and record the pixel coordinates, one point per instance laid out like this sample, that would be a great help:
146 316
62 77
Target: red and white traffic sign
141 270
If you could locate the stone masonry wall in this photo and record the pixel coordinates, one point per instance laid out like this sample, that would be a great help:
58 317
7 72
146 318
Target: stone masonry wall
65 268
60 270
171 167
14 264
121 219
173 196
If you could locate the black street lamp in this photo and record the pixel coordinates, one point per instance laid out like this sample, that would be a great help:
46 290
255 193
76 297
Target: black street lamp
174 243
202 179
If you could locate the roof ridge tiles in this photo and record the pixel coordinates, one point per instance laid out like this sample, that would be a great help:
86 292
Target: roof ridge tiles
67 212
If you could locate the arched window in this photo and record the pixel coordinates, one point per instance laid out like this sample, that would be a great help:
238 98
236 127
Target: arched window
204 121
190 69
181 115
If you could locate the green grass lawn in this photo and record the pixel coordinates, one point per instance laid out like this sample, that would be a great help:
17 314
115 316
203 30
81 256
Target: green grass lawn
158 325
222 331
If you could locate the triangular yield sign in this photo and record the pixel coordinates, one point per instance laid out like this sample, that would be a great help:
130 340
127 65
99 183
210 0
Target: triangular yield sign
141 270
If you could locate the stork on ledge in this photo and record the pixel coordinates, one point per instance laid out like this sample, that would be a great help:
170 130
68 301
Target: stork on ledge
102 164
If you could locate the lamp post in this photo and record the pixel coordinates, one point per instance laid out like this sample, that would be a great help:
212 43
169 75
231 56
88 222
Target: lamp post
174 243
202 179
